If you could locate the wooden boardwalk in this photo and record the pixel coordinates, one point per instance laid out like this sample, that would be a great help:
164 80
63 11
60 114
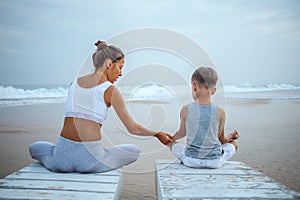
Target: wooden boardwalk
36 182
234 180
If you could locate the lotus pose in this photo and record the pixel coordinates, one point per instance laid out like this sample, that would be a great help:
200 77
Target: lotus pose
203 124
79 147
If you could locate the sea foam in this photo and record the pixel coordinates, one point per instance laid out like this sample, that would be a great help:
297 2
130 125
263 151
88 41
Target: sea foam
14 96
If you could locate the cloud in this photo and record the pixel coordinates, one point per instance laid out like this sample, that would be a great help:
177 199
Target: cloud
10 37
276 21
226 29
261 16
281 26
11 32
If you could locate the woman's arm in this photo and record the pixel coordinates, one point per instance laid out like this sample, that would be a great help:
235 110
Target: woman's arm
182 129
113 96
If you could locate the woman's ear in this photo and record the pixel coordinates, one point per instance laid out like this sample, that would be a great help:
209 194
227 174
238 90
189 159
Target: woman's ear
108 63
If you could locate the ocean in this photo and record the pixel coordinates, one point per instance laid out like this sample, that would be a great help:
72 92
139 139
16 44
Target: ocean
157 107
18 95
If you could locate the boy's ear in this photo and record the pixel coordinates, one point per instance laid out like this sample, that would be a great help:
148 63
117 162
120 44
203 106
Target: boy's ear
213 91
194 86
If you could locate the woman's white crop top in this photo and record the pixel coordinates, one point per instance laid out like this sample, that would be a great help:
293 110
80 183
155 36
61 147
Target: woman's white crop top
87 103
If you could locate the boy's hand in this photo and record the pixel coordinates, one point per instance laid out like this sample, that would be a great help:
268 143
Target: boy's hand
235 135
164 138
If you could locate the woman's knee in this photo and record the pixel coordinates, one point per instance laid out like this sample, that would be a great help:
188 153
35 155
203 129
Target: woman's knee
135 149
38 149
119 156
131 148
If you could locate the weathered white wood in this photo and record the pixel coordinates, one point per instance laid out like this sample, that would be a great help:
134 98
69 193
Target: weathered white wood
217 181
59 185
52 195
119 188
36 182
230 168
201 193
64 177
234 180
38 167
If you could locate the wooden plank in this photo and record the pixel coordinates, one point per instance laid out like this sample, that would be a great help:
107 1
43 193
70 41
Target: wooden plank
218 181
226 169
52 195
234 180
36 182
39 168
58 185
119 188
64 177
200 193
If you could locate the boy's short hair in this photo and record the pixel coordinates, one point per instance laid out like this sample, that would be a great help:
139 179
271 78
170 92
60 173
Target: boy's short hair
205 76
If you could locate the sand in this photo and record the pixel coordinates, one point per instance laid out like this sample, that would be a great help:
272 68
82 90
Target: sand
269 139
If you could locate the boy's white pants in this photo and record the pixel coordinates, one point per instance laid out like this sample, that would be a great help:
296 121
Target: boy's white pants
178 151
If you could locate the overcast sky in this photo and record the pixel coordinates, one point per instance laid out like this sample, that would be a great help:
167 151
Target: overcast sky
45 41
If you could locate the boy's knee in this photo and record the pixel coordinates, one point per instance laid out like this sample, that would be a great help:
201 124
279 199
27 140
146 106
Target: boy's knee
234 144
177 149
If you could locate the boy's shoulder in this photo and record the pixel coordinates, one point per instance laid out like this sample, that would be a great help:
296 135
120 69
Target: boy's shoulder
220 109
184 108
184 111
221 113
187 106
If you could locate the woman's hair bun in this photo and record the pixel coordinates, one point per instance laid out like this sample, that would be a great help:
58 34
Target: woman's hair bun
100 45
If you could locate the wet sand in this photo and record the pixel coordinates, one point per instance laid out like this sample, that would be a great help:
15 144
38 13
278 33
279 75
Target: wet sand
269 140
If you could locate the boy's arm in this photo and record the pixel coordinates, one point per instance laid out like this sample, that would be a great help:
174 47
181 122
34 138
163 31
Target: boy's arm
182 130
230 137
222 118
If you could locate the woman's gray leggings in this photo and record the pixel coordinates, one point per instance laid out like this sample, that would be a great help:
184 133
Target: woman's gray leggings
85 157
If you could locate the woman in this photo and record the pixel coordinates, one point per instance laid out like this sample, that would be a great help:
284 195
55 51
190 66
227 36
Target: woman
79 147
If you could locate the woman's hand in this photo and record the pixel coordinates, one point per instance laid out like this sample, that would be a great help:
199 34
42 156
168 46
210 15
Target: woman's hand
164 138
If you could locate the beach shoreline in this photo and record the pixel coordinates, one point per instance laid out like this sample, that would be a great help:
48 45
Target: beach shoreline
269 130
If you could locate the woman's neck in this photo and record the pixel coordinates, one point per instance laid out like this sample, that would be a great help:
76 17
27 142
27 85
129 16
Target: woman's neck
101 76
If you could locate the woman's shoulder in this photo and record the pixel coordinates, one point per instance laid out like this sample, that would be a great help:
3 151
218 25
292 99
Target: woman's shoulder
110 91
104 86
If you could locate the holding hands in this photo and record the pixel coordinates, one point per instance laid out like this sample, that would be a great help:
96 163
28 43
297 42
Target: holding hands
167 139
164 138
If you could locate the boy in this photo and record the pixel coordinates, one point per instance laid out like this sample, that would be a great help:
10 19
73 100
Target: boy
203 124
